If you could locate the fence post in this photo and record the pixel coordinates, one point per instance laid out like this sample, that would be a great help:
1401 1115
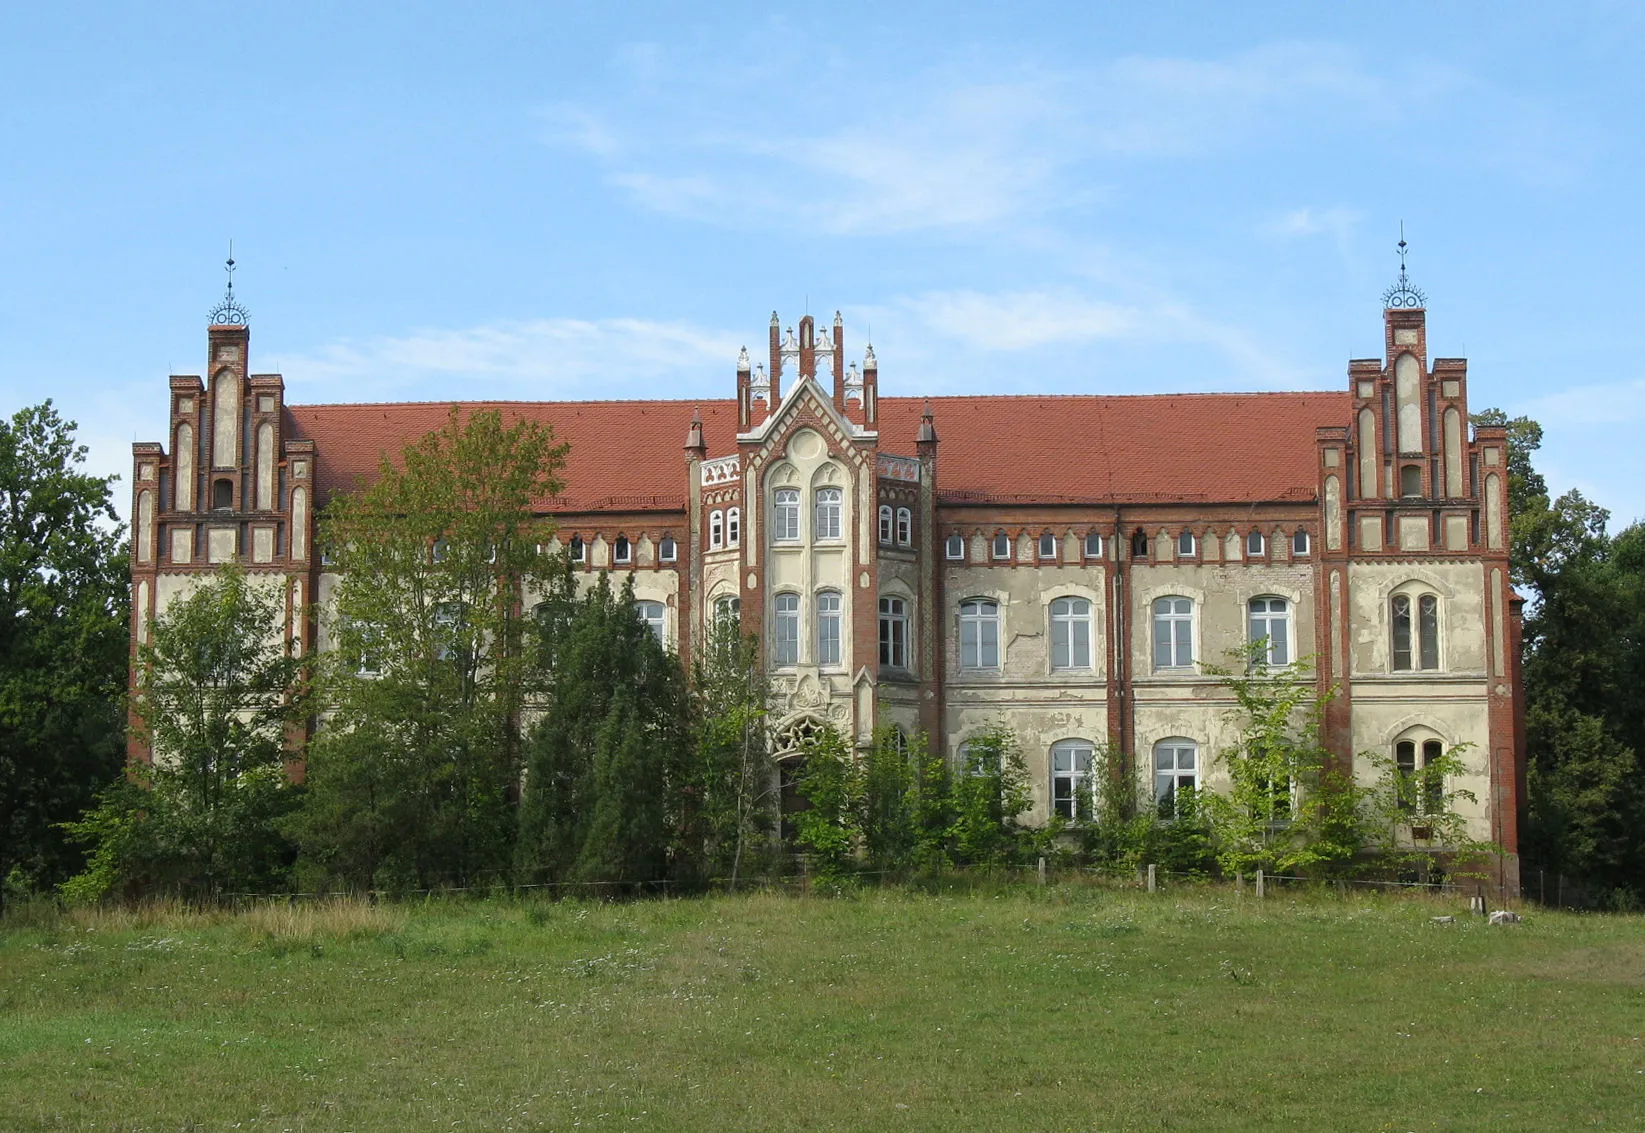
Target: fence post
1259 885
1239 882
1153 881
1042 870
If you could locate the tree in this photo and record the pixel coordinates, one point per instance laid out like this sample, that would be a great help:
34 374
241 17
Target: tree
990 793
891 800
413 776
734 780
608 760
216 691
63 644
831 782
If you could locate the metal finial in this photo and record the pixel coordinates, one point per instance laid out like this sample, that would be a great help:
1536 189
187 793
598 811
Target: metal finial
1402 294
230 312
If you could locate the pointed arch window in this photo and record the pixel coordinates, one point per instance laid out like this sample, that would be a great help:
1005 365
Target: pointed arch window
716 530
733 526
1414 617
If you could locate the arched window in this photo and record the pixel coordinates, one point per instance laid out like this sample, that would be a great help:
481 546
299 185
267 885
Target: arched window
450 625
1185 545
1270 621
728 609
885 523
828 627
1420 786
1410 480
668 550
1071 779
577 549
1173 633
1093 545
785 523
1048 545
828 513
1299 542
716 530
1139 545
622 550
956 546
1070 634
979 634
1255 544
733 526
439 551
1176 775
222 495
894 633
785 642
1002 545
905 527
653 614
1414 646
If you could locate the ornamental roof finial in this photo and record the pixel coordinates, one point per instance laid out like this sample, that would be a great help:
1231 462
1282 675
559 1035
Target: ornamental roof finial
1402 294
230 312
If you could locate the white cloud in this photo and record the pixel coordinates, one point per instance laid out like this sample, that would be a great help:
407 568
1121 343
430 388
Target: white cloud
1019 320
1608 403
1304 222
540 358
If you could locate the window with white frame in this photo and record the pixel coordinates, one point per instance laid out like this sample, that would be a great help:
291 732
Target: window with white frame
1185 545
668 550
716 530
1176 775
1071 779
368 639
1093 545
1048 545
622 550
956 546
1420 786
828 627
979 634
1299 542
450 622
1255 544
828 513
894 633
1269 621
728 608
886 523
1415 622
785 522
1070 634
905 527
1173 633
578 550
733 526
785 641
653 615
1002 545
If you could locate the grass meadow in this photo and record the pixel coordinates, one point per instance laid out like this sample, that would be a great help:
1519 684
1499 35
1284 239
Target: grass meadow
1057 1008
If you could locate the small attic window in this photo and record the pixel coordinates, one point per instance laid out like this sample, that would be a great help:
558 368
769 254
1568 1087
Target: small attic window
1093 545
1185 545
1139 545
577 549
1002 546
668 550
1255 544
1048 545
622 550
222 495
1299 542
956 546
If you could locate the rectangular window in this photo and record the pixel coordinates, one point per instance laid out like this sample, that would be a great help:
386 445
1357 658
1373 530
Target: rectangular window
652 614
1070 634
979 634
1070 774
894 633
1270 620
1173 633
828 628
785 641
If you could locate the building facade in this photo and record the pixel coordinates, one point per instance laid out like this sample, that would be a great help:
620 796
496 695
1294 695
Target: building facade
1071 564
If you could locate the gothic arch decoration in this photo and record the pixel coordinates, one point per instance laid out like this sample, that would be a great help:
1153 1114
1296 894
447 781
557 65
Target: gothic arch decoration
789 738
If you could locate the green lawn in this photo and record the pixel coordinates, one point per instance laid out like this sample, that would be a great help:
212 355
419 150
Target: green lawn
1037 1009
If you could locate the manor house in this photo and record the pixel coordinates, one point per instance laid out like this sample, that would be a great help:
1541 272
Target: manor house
1069 563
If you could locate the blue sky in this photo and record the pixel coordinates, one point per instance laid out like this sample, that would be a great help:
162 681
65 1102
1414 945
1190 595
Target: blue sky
434 201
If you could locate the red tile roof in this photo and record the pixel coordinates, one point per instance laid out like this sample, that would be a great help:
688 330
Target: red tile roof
628 456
